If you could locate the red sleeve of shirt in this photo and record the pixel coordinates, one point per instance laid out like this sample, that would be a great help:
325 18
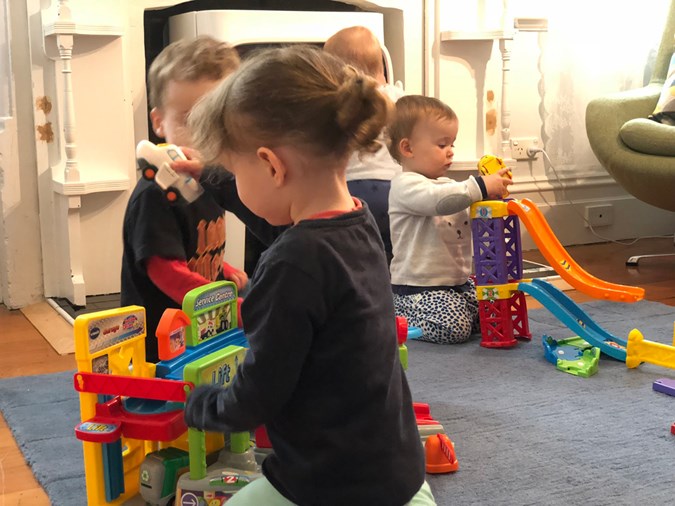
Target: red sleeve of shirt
173 277
228 270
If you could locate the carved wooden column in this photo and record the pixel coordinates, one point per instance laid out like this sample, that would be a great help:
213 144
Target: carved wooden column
70 205
505 50
64 43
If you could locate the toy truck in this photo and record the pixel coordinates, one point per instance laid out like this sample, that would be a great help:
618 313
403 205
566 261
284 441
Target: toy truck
154 160
159 475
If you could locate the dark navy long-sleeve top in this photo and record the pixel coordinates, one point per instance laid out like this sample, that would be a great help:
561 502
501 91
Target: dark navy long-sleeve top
323 371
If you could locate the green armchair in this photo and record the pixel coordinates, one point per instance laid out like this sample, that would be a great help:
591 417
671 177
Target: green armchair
637 152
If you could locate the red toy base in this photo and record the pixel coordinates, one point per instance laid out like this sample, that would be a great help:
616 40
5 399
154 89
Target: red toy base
499 344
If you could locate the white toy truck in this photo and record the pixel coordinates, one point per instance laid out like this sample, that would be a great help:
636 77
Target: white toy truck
154 160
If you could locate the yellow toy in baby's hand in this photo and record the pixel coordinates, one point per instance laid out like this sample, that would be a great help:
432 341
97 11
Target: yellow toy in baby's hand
490 164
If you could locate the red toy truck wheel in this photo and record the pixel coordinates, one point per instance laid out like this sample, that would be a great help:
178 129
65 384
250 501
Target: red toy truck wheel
172 195
149 173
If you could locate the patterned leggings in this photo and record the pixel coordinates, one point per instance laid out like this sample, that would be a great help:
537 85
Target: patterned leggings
447 316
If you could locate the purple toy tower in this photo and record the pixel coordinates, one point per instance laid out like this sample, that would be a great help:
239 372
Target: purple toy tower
498 262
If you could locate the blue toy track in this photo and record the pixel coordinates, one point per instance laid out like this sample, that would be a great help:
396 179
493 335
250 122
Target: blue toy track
575 318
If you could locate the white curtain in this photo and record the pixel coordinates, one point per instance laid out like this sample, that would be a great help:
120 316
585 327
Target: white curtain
5 66
593 48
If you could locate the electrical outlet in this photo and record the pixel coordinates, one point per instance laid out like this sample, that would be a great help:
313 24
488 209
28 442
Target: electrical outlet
599 216
520 145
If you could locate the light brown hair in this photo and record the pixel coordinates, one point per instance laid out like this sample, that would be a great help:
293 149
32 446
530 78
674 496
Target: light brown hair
190 60
359 47
409 111
295 95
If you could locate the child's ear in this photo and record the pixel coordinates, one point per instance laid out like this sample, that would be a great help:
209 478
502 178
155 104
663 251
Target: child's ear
275 165
405 148
157 118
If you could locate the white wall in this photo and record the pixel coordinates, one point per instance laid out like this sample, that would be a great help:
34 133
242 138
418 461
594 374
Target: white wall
20 250
79 228
81 221
590 49
407 14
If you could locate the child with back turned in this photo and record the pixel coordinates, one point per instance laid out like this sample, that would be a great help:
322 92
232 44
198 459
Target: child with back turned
171 249
369 174
430 225
322 372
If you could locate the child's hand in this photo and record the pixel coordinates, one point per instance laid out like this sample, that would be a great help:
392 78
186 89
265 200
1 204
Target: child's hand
192 166
239 278
201 409
496 184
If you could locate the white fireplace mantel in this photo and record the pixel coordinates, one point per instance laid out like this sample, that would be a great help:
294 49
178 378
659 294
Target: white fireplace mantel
88 156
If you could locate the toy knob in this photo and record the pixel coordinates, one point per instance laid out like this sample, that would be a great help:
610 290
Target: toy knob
401 329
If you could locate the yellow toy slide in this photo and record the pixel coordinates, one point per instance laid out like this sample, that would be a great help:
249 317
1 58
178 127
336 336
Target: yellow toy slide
562 262
640 350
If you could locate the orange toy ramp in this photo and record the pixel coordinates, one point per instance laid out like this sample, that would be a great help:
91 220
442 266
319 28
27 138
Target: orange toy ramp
562 262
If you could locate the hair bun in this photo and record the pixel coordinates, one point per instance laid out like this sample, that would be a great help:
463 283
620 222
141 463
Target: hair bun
350 99
361 110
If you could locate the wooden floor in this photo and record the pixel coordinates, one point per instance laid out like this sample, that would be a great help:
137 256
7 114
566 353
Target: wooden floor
607 262
25 352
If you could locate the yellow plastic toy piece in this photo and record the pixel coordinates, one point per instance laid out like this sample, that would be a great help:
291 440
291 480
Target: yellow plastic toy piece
495 292
490 164
111 342
487 209
641 350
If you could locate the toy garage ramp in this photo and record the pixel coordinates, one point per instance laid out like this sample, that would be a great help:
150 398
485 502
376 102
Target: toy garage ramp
575 318
562 262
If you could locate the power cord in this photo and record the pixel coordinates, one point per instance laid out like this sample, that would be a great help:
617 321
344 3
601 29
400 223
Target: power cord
532 153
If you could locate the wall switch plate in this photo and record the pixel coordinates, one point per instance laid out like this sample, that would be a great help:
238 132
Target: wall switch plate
520 145
601 215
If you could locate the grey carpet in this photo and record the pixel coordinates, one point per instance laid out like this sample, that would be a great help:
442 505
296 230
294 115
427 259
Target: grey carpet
42 412
525 433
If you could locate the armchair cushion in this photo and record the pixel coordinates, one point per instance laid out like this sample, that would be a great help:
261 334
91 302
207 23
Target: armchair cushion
649 137
649 178
665 108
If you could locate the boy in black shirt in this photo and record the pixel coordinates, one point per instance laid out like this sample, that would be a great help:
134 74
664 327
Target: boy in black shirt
322 372
170 249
